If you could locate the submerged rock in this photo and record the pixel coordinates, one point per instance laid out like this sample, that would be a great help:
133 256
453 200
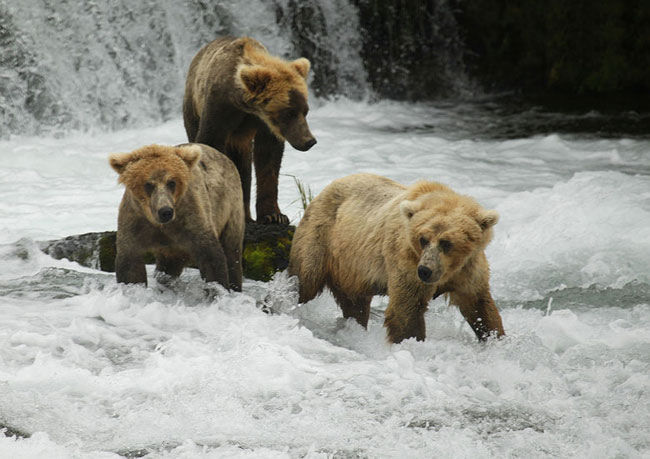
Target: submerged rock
9 431
266 250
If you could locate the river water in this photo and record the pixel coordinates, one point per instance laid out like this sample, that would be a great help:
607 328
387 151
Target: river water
92 369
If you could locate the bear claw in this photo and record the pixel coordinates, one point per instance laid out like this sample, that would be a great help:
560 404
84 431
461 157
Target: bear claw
274 218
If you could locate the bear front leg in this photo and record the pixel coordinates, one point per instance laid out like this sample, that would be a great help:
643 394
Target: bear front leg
267 155
190 118
170 264
404 316
210 259
129 267
480 312
231 242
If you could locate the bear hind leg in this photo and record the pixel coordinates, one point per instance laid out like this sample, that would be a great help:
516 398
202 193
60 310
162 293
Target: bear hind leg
355 306
309 287
307 262
190 120
310 282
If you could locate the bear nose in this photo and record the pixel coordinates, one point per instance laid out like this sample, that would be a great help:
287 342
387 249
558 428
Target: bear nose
307 145
165 214
424 273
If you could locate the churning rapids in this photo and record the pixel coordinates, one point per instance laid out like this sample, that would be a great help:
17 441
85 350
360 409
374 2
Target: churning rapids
89 368
92 369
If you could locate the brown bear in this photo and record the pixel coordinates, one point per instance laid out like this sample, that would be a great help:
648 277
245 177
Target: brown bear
185 205
245 102
366 235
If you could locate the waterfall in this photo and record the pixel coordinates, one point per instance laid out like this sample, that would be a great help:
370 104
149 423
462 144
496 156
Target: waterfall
85 65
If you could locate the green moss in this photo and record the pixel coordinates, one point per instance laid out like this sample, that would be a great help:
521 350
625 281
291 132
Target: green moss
259 261
84 257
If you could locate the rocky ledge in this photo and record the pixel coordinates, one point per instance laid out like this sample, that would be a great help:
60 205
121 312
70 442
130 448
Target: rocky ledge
266 250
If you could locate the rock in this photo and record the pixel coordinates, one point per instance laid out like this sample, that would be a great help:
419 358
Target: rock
266 250
9 431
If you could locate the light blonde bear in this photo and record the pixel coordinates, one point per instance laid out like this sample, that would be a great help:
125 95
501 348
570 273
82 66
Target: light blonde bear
366 235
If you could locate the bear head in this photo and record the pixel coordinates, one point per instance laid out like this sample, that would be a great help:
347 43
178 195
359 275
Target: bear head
156 176
276 91
446 230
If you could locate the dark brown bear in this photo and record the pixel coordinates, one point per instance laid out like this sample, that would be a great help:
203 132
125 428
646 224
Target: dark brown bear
185 205
244 102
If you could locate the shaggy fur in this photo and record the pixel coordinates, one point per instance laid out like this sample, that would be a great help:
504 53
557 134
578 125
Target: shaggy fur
185 205
241 100
366 235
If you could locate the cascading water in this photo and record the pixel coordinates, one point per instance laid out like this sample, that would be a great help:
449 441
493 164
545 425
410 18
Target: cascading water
121 64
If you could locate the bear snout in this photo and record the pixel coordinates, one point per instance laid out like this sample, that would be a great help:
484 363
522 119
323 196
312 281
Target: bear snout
165 214
424 273
307 145
299 136
428 275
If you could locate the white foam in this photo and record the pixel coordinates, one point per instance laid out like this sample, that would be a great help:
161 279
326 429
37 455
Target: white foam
91 368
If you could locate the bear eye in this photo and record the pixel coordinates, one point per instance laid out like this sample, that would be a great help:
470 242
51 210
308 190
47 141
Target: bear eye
445 245
171 185
148 188
424 242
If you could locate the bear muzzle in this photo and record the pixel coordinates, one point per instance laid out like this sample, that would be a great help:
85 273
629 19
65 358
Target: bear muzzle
299 136
305 146
165 214
428 275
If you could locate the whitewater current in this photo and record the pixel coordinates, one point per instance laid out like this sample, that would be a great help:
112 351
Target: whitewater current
93 369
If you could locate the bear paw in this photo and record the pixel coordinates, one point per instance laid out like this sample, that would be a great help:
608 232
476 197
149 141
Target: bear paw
277 218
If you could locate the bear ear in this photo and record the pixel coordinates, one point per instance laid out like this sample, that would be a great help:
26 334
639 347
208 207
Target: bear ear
302 65
255 78
119 161
190 154
487 219
409 208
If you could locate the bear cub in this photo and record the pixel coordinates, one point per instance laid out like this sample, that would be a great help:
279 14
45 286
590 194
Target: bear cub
184 204
245 102
366 235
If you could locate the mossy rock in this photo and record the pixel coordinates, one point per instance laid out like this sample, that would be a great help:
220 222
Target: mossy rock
266 250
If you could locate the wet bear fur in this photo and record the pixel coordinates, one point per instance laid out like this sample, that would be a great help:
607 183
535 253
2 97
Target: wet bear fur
245 102
184 204
366 235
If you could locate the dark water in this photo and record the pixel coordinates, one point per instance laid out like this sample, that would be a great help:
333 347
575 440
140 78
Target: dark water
513 117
